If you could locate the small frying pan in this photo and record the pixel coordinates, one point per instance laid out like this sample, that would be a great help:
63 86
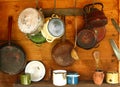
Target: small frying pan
12 56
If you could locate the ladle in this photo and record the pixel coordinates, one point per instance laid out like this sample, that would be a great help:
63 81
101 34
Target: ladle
74 52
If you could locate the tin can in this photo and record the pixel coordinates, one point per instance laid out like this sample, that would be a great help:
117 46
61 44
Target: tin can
112 77
25 79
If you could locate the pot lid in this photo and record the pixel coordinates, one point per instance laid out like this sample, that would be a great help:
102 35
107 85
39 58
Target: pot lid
29 20
36 70
56 27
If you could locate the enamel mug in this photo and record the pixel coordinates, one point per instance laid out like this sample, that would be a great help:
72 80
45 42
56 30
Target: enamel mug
59 77
72 78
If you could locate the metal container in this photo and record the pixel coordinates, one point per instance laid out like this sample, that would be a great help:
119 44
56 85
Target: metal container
59 77
112 77
53 28
25 79
30 21
72 78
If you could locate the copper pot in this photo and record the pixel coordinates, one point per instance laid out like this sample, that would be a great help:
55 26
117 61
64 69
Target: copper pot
95 16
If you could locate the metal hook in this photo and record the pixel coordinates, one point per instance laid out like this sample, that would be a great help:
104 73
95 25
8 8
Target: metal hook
37 5
54 10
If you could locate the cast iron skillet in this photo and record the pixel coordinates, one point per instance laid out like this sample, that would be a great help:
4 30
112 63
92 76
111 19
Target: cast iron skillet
12 56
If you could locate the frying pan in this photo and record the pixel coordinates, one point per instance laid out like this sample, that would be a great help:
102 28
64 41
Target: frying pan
12 56
61 53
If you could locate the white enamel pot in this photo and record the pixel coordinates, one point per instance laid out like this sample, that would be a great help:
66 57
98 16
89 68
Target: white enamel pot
53 28
30 21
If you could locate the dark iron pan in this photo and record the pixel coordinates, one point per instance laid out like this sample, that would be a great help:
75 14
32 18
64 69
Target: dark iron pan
12 56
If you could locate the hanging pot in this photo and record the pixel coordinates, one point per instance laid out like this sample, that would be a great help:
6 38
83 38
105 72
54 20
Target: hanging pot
53 28
12 56
95 17
30 21
86 39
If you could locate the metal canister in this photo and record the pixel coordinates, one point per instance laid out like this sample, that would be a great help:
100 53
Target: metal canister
25 79
72 78
112 77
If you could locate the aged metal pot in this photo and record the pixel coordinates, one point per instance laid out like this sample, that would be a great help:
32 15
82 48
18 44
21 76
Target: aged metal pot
53 28
95 16
30 21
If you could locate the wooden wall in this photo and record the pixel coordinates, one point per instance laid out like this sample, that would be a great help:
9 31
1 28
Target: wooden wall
85 66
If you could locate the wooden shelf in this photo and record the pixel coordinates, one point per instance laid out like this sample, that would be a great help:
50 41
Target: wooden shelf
81 84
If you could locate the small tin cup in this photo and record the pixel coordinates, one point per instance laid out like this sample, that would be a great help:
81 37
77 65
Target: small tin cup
25 79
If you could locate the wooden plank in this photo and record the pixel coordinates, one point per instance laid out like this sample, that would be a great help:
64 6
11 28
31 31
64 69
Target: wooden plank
119 39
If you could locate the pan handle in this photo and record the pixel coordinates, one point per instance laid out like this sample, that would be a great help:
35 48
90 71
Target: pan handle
9 29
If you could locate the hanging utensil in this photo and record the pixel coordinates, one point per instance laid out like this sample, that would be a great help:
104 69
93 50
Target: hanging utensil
74 52
115 25
96 55
12 56
115 48
95 17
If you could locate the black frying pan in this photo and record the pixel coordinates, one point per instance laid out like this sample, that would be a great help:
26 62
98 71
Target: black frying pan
12 56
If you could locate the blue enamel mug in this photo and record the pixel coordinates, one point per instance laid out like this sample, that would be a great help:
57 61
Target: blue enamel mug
72 78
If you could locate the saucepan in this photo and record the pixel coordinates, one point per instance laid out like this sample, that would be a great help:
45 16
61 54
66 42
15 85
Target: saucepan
53 28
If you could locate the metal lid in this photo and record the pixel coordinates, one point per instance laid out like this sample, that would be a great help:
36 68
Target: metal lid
36 70
56 27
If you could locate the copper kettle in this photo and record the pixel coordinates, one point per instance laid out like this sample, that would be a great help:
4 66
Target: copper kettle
94 15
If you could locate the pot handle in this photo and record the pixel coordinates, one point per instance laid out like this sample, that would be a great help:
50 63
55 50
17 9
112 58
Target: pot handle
87 8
